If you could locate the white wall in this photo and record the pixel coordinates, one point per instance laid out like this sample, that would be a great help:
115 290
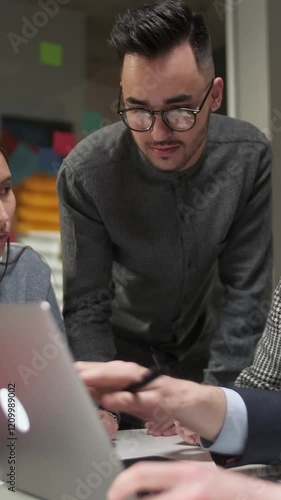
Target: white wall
253 39
274 17
29 88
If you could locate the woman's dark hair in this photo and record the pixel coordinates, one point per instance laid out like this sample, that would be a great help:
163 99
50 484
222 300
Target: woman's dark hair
4 153
154 29
7 262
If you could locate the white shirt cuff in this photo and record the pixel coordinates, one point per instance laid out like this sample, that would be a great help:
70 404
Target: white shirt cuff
233 436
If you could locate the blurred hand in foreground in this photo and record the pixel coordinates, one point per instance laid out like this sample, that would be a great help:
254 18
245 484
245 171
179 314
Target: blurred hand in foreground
189 481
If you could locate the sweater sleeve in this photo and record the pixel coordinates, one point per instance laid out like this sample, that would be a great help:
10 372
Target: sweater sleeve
87 251
245 269
51 298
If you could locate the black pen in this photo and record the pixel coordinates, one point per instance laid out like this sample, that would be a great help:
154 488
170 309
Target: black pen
152 374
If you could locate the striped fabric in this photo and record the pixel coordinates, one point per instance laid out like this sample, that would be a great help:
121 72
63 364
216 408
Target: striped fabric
265 372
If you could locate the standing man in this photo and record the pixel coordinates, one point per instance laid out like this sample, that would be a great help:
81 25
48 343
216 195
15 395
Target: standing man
154 206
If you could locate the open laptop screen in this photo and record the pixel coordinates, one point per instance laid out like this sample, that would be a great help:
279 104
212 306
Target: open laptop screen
53 444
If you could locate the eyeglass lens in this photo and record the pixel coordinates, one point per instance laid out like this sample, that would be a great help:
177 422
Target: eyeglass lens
139 119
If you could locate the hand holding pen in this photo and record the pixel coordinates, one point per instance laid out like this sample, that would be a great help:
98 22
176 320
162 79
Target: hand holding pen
152 374
151 398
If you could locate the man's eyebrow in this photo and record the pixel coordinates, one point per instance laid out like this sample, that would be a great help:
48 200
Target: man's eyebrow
178 99
134 100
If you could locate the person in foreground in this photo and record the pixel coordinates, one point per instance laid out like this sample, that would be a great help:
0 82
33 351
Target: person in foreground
153 205
190 481
24 275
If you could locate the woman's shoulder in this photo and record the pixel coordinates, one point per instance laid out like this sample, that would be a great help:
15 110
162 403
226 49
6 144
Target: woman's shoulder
26 256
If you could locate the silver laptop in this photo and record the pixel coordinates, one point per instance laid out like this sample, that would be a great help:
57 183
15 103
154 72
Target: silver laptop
52 445
9 495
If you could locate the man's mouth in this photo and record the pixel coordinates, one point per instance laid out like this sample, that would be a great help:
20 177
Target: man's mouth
164 150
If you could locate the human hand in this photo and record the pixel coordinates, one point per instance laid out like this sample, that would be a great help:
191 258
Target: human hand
189 481
186 434
109 422
153 402
160 400
162 428
108 377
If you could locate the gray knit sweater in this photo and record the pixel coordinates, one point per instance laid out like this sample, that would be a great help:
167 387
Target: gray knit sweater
28 279
141 247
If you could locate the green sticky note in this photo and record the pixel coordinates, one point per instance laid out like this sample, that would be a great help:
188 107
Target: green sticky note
51 54
90 121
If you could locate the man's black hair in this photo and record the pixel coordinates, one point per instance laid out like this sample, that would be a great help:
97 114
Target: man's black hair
154 29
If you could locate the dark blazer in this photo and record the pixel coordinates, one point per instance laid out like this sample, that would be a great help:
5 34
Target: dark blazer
264 429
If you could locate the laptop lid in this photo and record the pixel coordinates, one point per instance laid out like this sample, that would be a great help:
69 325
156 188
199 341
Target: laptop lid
53 444
9 495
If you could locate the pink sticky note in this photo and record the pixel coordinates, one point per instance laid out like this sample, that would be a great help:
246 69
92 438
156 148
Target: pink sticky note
63 142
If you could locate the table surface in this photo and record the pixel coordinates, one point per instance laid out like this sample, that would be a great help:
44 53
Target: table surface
137 443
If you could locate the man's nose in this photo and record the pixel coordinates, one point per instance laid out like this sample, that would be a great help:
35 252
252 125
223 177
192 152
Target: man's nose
160 131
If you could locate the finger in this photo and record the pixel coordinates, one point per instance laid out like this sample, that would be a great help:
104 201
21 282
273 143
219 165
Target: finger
154 476
157 433
111 376
170 432
163 428
144 404
81 366
157 476
165 423
109 423
188 436
128 403
191 490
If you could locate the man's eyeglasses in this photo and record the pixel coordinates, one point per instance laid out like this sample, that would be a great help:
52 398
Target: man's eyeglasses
177 118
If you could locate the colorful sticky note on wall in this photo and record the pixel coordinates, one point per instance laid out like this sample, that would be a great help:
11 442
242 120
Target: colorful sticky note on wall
9 141
90 121
51 54
63 142
23 163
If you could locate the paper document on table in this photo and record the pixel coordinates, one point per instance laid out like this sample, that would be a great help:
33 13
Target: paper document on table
136 443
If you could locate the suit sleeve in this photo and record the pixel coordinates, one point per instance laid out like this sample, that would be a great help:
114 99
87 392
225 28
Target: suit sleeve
245 271
265 371
264 429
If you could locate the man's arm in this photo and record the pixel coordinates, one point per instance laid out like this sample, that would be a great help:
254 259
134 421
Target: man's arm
87 265
199 407
265 371
245 271
264 427
51 298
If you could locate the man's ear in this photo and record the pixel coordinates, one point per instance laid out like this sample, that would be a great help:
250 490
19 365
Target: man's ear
217 94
